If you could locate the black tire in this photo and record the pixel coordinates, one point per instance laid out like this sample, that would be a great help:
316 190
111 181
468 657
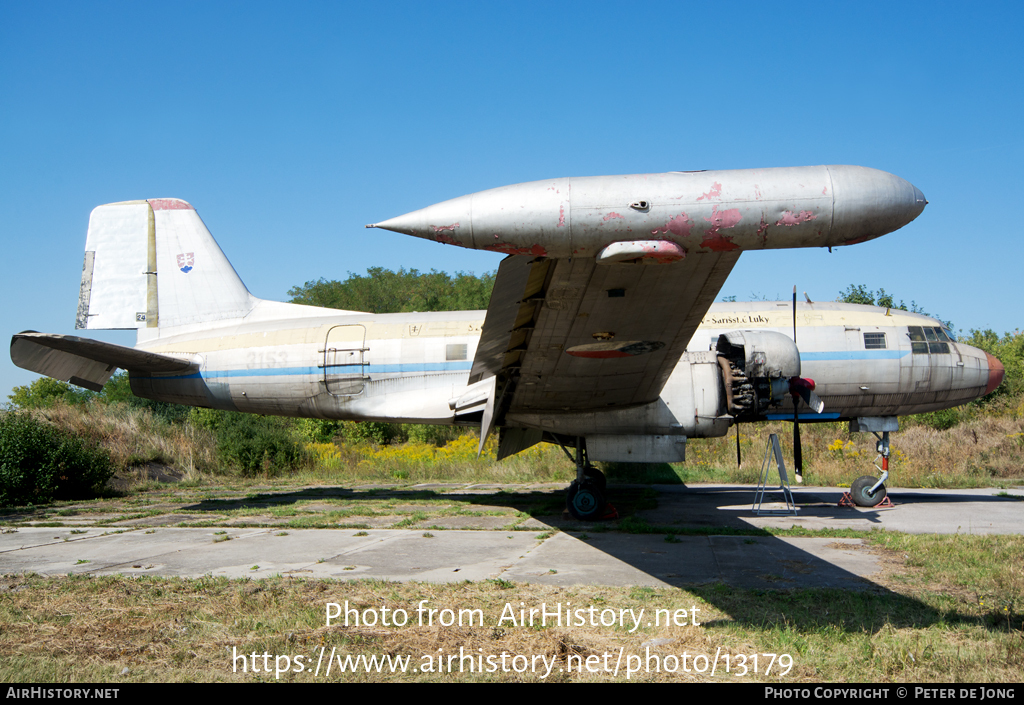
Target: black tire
596 477
584 502
859 492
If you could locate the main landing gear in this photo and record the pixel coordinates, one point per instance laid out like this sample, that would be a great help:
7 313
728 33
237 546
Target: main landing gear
585 499
868 491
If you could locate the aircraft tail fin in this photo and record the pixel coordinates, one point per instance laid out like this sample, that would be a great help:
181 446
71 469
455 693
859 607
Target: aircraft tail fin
153 264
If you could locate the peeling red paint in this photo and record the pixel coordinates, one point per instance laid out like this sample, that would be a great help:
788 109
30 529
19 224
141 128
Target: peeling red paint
439 228
788 218
762 228
857 240
510 249
446 239
679 226
662 252
715 241
824 191
724 219
561 216
715 192
757 192
644 251
169 204
612 215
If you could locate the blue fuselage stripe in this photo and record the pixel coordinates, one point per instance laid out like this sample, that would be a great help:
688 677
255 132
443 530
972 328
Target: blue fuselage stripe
338 370
401 368
853 355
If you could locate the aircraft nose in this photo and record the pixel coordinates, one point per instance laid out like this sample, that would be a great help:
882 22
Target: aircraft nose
995 373
919 202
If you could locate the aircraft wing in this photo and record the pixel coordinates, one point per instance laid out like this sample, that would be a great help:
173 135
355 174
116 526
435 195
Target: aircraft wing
574 335
87 363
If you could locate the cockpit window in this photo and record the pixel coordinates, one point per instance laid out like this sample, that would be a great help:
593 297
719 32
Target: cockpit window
874 341
924 340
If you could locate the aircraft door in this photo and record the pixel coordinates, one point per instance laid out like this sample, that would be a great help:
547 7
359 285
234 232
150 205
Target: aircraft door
940 360
916 369
344 361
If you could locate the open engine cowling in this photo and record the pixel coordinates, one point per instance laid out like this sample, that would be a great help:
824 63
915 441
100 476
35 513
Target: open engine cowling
756 369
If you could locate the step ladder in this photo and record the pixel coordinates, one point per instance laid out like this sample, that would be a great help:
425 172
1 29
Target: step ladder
773 456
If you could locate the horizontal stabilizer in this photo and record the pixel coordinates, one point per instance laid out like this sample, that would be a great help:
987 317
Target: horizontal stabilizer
84 362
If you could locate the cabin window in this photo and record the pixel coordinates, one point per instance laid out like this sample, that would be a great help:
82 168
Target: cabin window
455 351
874 341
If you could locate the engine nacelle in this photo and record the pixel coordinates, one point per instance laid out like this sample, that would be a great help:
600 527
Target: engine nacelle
756 369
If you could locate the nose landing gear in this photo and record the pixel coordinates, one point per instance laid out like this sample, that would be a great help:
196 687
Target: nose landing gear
868 491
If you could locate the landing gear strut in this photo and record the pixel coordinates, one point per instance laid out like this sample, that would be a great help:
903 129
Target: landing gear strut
868 491
585 498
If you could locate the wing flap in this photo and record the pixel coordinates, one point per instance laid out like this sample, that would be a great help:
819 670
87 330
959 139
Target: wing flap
514 300
87 363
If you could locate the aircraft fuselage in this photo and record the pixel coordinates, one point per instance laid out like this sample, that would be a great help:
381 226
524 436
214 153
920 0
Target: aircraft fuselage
411 368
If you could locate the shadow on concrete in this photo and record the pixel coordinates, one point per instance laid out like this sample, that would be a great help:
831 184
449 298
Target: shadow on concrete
693 538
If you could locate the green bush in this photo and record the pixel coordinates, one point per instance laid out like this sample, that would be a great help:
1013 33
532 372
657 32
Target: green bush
318 430
1009 348
939 420
376 432
118 390
39 463
44 392
253 444
439 436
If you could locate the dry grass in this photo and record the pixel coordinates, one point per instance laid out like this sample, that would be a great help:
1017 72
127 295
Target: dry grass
135 436
983 450
979 452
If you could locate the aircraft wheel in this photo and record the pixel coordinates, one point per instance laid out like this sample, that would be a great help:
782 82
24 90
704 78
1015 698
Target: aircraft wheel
585 501
859 492
596 477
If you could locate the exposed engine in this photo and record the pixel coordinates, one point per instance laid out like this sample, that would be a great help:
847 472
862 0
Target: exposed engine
757 369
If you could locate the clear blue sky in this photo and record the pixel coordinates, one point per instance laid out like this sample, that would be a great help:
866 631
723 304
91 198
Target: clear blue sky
290 126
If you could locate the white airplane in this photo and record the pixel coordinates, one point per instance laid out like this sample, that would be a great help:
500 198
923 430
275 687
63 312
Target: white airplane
581 345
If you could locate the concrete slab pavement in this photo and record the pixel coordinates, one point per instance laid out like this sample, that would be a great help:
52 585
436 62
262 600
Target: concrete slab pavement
536 552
